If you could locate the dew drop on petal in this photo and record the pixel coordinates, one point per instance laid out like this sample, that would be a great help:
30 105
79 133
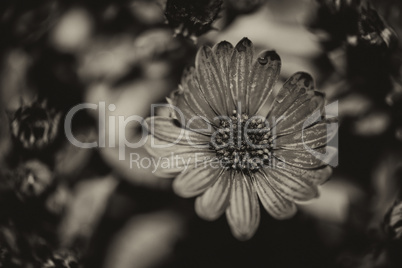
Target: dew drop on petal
263 60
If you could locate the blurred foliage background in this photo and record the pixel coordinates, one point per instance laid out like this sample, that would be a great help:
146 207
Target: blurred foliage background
63 206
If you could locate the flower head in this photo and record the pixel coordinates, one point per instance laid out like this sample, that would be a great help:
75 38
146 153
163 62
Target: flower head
228 151
35 127
30 179
373 31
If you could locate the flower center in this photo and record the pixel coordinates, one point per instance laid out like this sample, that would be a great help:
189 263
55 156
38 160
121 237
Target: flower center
242 143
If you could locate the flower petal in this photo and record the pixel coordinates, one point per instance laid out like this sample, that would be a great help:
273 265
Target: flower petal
302 115
290 185
215 200
263 77
317 176
310 176
223 53
210 78
296 90
167 129
274 203
195 180
306 158
184 113
311 137
189 98
243 213
239 72
170 159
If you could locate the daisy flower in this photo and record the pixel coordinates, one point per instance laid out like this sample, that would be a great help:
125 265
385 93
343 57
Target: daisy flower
229 153
35 126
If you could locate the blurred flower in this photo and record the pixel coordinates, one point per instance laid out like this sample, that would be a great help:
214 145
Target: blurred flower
35 127
147 12
192 18
73 30
364 68
30 250
395 96
144 92
391 10
111 59
393 220
373 124
227 90
392 225
84 210
146 240
62 259
373 31
58 199
351 21
31 179
27 180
